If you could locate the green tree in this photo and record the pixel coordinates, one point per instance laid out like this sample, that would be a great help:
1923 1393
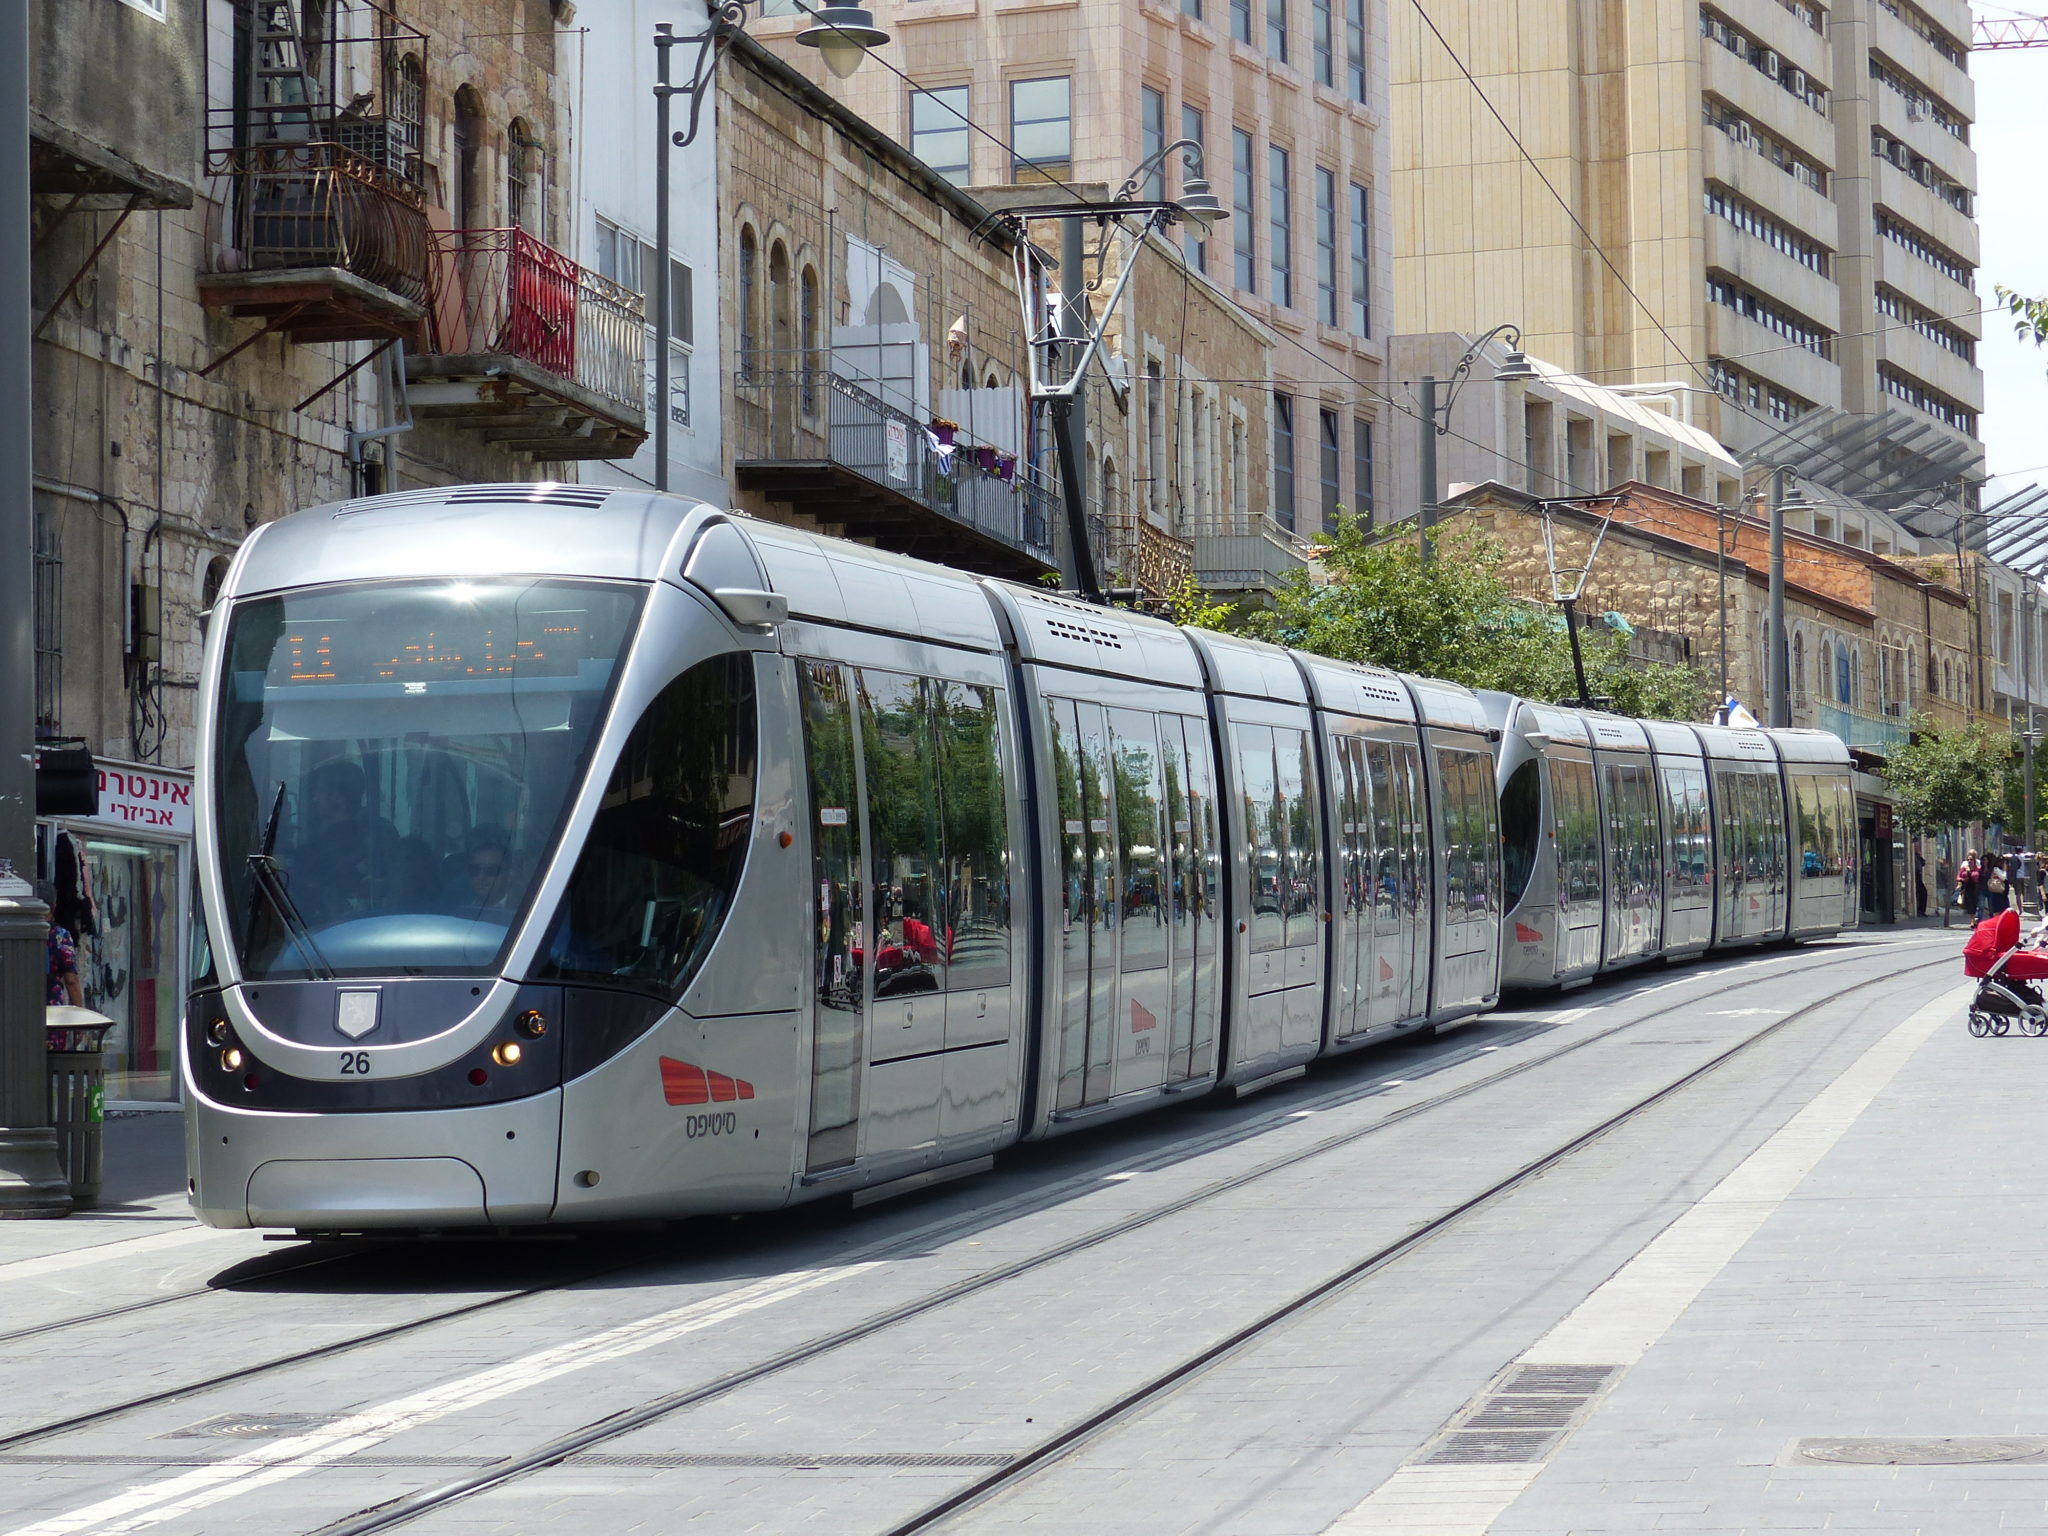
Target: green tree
1457 619
1948 778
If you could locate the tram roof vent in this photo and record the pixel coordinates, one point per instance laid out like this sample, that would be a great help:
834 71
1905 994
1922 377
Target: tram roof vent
1087 634
545 493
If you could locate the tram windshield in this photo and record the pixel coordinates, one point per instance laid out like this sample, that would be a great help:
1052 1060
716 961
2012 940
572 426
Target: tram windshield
394 762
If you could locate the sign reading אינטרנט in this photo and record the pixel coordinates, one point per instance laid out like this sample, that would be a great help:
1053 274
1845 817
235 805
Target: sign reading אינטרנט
144 798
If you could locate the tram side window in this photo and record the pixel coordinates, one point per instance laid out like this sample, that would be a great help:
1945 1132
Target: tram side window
975 812
1135 778
1265 822
1521 829
1303 897
836 923
1386 875
1813 837
1576 811
903 827
663 857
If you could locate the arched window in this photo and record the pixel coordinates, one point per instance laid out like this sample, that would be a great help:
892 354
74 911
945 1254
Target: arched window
1112 492
211 582
749 337
781 318
469 211
1827 666
1799 663
525 180
807 333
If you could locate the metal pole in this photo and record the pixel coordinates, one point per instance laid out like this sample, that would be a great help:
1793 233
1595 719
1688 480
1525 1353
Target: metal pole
31 1182
2027 838
1780 655
1070 421
1426 517
664 40
1721 583
1571 628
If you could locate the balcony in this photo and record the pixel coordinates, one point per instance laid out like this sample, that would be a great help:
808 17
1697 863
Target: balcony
1866 732
1143 555
318 242
1247 555
833 451
531 350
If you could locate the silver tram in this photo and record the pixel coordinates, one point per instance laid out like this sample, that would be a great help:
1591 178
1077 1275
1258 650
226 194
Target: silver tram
572 854
1631 840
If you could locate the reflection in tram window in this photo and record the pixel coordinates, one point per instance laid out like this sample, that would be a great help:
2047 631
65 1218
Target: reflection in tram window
1076 896
1141 904
1304 882
1204 877
1575 812
1265 821
664 854
903 828
1521 824
394 762
976 834
837 943
1385 839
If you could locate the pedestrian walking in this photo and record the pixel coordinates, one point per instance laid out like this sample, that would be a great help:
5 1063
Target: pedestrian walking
60 966
1969 874
1997 890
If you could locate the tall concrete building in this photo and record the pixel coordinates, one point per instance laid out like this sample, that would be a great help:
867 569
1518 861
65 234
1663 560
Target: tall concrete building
1288 99
1771 199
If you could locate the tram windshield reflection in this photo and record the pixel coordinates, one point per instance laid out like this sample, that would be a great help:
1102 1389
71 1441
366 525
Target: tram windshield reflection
394 761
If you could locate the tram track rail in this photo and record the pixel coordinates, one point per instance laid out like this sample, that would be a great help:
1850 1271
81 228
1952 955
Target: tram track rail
580 1442
1015 1207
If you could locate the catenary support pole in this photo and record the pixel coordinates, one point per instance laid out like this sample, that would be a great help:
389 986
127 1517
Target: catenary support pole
2028 839
1780 655
31 1182
1425 520
1721 592
1070 420
664 42
1571 628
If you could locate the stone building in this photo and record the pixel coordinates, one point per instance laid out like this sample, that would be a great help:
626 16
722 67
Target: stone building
283 253
1771 199
1289 104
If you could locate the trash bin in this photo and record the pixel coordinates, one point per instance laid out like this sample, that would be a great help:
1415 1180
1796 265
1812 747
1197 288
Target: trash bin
76 1042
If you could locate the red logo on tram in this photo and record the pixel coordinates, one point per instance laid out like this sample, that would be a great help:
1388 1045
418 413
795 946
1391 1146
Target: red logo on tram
682 1083
1142 1018
1526 935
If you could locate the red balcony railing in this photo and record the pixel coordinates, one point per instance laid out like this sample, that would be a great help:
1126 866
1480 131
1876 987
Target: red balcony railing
501 292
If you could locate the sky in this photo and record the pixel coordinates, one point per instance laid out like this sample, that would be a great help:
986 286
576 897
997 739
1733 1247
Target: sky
2011 140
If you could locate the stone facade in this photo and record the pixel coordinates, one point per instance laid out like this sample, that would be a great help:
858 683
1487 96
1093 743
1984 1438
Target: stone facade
158 444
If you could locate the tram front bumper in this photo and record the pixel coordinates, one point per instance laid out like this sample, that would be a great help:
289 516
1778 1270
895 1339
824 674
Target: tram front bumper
493 1165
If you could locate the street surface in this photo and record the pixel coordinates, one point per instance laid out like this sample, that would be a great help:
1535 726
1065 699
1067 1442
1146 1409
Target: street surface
1753 1245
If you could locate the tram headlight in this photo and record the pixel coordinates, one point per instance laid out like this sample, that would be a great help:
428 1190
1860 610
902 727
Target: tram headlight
231 1060
531 1024
218 1033
507 1053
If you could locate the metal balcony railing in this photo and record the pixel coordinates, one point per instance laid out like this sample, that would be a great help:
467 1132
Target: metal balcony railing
1147 555
1873 733
1252 553
293 206
501 292
808 415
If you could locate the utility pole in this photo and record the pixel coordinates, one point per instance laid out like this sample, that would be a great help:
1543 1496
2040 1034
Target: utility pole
1426 517
32 1183
664 323
1780 654
1721 586
2027 838
1070 416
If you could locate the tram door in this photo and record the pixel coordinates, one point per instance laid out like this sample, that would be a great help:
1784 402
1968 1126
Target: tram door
839 1038
1575 840
1634 907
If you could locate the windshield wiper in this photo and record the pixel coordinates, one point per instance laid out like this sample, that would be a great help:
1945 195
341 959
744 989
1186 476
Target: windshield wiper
265 870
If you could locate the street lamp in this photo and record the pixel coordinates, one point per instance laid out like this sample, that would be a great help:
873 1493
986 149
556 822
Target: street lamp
842 34
1436 417
1198 205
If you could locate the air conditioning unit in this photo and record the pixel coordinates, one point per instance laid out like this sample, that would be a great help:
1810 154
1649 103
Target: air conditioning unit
1916 110
1770 63
1796 79
1739 132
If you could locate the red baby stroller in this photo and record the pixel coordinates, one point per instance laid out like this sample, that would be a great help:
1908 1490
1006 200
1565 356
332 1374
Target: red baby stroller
2008 979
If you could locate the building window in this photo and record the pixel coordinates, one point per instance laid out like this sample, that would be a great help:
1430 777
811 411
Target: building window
1041 129
1332 465
525 180
1191 8
807 337
469 143
1326 246
1241 20
1281 235
1152 138
1322 28
1283 460
1243 205
1354 47
1361 261
1157 483
1197 250
1276 30
750 341
938 131
1361 469
409 115
781 309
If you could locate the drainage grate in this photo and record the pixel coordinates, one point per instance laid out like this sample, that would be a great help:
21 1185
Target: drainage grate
1525 1413
250 1426
786 1459
1472 1447
1953 1451
1578 1380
